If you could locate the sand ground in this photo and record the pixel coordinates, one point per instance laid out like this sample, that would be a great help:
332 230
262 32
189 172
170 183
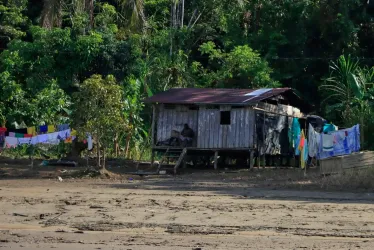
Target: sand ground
185 212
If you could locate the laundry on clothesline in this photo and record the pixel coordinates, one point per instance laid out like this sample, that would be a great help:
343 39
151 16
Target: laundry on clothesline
340 142
22 141
10 142
51 138
45 134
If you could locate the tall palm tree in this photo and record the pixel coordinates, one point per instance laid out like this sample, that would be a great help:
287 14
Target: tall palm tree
52 12
133 13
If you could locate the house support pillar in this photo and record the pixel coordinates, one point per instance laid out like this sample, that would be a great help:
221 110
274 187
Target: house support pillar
216 160
251 159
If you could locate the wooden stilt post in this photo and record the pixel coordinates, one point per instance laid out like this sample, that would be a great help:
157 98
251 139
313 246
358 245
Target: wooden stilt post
153 131
216 160
180 160
251 160
152 158
276 161
264 137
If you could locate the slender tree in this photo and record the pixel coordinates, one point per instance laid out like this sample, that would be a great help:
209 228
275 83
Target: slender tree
99 111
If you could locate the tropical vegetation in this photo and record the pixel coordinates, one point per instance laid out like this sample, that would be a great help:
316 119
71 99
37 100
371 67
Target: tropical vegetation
55 52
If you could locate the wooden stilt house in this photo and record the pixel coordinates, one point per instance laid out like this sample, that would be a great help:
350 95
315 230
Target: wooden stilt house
223 120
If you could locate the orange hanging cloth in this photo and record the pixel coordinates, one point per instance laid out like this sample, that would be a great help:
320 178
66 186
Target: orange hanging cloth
302 141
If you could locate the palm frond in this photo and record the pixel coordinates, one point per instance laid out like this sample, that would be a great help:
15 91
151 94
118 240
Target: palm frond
334 89
332 97
358 83
344 82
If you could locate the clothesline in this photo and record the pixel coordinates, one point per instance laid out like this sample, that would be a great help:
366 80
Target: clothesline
331 142
49 138
47 134
275 113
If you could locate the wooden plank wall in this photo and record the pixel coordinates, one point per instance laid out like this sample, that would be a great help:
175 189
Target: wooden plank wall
206 124
239 134
209 128
173 119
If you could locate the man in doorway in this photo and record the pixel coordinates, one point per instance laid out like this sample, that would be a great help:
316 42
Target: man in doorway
187 135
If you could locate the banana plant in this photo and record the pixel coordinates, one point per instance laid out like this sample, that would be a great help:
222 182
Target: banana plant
349 89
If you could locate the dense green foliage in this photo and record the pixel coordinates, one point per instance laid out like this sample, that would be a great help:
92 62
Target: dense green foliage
49 48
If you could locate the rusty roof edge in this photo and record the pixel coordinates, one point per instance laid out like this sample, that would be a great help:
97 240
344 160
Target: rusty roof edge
273 92
202 103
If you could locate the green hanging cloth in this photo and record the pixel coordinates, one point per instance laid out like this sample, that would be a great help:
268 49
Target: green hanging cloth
18 135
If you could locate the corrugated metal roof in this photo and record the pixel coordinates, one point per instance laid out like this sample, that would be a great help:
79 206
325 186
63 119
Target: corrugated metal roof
215 96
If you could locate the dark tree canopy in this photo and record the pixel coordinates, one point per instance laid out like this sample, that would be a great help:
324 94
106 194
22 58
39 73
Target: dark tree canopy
49 48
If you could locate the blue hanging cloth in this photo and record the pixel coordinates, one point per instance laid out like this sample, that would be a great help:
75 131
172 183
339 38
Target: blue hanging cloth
294 133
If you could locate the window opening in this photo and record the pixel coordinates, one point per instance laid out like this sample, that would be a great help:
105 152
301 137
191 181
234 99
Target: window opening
225 118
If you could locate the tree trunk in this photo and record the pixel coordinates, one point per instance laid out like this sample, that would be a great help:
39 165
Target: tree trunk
116 145
174 14
177 15
182 16
128 138
51 15
171 31
32 151
192 18
98 155
362 129
89 6
104 159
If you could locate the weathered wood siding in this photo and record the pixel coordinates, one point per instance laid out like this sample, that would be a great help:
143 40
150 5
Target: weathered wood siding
205 122
239 134
173 118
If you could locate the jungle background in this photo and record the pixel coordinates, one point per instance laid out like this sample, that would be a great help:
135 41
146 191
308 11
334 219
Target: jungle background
90 63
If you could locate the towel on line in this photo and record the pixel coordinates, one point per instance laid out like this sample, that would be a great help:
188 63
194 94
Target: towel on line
327 142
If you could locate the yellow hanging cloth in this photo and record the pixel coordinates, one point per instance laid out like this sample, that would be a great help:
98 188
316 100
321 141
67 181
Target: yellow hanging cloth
31 131
302 140
51 128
